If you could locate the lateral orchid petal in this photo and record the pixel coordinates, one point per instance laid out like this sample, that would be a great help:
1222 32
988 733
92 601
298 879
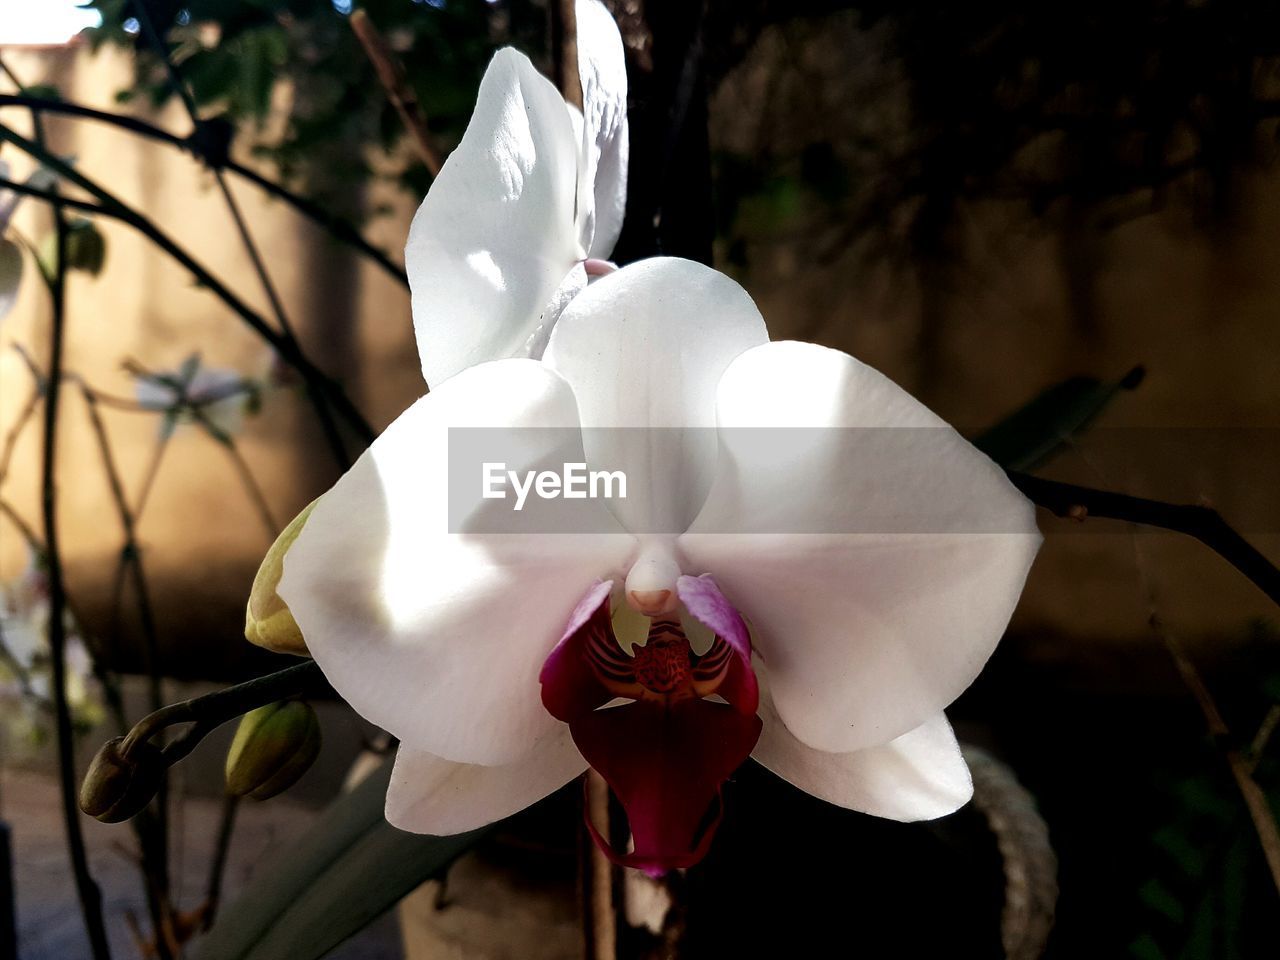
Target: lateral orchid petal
919 775
877 555
440 797
644 347
438 636
496 233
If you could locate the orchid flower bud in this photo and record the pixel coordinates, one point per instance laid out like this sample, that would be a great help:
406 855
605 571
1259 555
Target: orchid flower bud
117 787
273 747
86 247
267 620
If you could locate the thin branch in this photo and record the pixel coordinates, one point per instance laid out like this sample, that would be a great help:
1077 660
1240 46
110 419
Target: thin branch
1203 523
222 845
1262 738
208 712
89 893
396 85
11 438
340 229
1240 764
327 424
111 206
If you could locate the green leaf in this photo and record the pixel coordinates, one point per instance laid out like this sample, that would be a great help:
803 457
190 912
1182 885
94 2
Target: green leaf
349 869
1030 436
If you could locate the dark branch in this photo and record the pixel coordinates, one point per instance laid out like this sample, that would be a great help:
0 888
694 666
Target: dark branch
1203 523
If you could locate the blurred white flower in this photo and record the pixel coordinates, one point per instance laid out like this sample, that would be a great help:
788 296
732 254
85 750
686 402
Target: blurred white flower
26 667
10 251
216 398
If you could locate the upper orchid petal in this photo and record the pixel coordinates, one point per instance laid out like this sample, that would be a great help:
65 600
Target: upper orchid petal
496 233
644 347
602 69
917 776
877 555
439 636
440 797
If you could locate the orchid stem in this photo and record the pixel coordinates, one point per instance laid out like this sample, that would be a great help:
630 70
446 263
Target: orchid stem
599 911
87 889
214 709
395 84
110 206
338 228
1203 523
318 399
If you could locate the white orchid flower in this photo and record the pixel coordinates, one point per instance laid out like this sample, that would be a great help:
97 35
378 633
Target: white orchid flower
217 398
876 555
26 673
529 202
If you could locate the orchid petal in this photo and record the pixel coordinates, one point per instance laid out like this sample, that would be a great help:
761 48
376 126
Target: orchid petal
495 235
917 776
438 636
570 687
439 797
873 626
645 347
703 599
602 69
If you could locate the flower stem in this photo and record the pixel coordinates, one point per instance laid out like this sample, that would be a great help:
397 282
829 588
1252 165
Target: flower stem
338 228
318 398
110 206
391 75
1203 523
88 891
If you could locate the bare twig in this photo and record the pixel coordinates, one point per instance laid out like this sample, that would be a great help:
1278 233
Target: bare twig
213 895
1262 738
599 910
396 85
318 398
1202 523
110 206
1241 765
86 887
338 228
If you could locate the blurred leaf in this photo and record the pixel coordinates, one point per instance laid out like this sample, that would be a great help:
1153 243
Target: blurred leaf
349 869
1030 436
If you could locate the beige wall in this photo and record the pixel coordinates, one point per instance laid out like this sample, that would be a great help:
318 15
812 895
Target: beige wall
1199 314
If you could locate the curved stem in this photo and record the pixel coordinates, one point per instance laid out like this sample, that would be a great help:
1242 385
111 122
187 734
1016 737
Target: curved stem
89 893
340 229
213 709
318 399
111 206
1203 523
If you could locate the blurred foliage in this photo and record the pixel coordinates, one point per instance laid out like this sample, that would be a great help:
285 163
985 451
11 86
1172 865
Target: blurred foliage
1081 113
1207 892
241 58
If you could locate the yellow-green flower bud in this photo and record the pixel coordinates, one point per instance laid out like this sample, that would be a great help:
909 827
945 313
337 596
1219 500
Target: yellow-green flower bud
274 746
267 620
116 788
